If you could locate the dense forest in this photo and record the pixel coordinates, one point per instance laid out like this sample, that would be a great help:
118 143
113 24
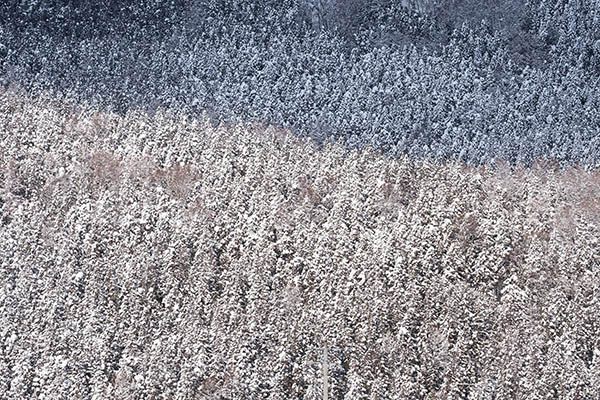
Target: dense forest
299 199
458 80
163 257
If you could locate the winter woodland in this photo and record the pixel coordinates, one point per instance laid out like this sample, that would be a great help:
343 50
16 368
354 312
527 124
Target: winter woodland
299 199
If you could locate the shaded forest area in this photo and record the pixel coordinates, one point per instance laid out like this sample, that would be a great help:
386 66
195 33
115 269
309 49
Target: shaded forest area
449 80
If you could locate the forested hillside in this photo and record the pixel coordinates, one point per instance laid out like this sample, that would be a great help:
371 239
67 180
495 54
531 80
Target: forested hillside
461 81
158 257
299 199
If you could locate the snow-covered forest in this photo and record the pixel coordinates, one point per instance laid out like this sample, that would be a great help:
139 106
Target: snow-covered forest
299 199
520 83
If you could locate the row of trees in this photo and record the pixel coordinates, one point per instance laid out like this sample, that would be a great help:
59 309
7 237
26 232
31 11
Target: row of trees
159 256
